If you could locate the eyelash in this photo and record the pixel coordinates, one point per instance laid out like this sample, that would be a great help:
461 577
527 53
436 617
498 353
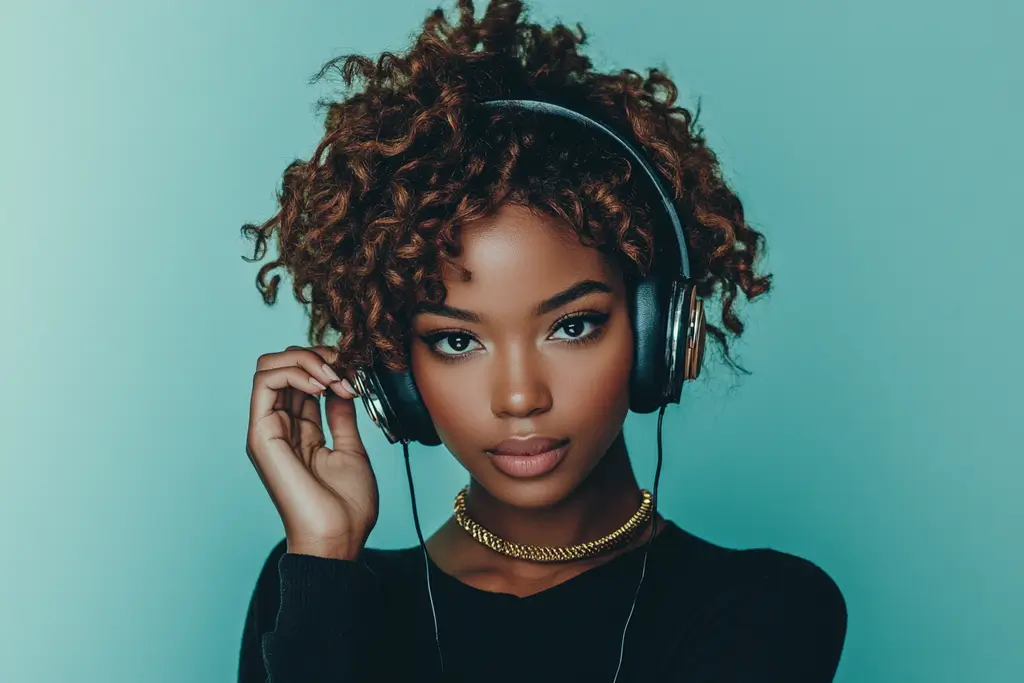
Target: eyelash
593 317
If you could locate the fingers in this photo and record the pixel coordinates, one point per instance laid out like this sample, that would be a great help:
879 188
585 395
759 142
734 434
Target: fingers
293 380
316 361
309 409
268 385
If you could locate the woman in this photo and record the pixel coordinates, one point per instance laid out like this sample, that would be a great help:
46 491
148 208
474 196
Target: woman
495 255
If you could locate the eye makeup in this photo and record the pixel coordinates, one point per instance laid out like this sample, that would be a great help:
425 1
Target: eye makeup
593 324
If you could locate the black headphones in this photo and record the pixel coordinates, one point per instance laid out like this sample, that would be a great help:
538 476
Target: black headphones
667 318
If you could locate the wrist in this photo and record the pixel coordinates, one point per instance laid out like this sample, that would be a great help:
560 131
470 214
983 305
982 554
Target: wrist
329 548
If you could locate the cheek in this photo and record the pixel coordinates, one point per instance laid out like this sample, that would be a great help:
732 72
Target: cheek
594 384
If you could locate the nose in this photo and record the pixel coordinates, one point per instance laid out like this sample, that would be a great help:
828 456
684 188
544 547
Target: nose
520 388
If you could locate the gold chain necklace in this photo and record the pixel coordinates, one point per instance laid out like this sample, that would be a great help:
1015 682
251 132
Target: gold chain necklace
535 553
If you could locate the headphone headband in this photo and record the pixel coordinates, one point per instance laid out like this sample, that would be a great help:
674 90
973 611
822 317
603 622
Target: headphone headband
587 122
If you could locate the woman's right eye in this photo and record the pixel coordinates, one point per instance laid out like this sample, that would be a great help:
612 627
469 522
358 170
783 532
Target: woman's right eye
451 343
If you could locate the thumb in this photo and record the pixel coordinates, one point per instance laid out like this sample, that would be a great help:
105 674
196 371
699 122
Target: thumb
341 422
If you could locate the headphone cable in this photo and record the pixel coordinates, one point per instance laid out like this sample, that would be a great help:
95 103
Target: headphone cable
647 550
426 557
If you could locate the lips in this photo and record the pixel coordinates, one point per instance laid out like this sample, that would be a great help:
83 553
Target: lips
533 445
528 458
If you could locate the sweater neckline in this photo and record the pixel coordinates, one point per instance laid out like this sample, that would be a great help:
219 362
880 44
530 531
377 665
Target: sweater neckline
624 566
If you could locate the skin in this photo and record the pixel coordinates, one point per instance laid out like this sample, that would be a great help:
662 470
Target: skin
514 372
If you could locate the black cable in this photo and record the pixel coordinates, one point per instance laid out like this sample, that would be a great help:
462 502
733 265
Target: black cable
657 475
423 547
647 550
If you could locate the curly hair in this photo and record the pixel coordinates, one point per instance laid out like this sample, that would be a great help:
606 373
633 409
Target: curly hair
367 224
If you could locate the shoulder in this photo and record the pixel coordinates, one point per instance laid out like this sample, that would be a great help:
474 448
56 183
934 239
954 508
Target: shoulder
764 573
796 590
757 594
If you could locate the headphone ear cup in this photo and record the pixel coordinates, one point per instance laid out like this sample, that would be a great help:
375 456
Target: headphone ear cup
407 405
649 319
394 404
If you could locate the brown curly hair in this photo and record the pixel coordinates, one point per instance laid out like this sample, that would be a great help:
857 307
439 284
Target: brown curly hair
367 224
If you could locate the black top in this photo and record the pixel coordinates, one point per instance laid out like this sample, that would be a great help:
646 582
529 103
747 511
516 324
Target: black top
706 614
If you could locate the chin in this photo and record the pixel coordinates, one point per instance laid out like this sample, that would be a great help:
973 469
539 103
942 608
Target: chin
530 494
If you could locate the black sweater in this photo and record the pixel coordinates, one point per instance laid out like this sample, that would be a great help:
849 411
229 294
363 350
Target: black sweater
705 614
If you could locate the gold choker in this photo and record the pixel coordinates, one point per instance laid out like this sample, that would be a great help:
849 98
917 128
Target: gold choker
535 553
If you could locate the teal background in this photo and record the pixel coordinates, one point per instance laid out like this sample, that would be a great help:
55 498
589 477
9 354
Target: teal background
878 145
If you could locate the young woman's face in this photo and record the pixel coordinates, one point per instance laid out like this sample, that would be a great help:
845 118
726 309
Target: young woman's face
537 343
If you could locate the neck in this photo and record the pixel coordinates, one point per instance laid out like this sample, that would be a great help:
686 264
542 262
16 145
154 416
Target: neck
602 503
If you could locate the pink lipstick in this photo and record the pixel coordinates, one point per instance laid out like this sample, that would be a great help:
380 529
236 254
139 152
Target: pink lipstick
528 457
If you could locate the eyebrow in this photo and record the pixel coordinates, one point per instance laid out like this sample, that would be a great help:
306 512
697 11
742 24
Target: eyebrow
566 296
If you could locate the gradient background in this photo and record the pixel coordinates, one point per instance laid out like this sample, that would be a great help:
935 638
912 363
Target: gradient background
877 144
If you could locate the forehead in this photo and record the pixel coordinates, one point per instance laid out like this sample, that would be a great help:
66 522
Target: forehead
518 257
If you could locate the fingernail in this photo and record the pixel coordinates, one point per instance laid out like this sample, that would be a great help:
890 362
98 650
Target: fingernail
329 371
317 384
348 387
